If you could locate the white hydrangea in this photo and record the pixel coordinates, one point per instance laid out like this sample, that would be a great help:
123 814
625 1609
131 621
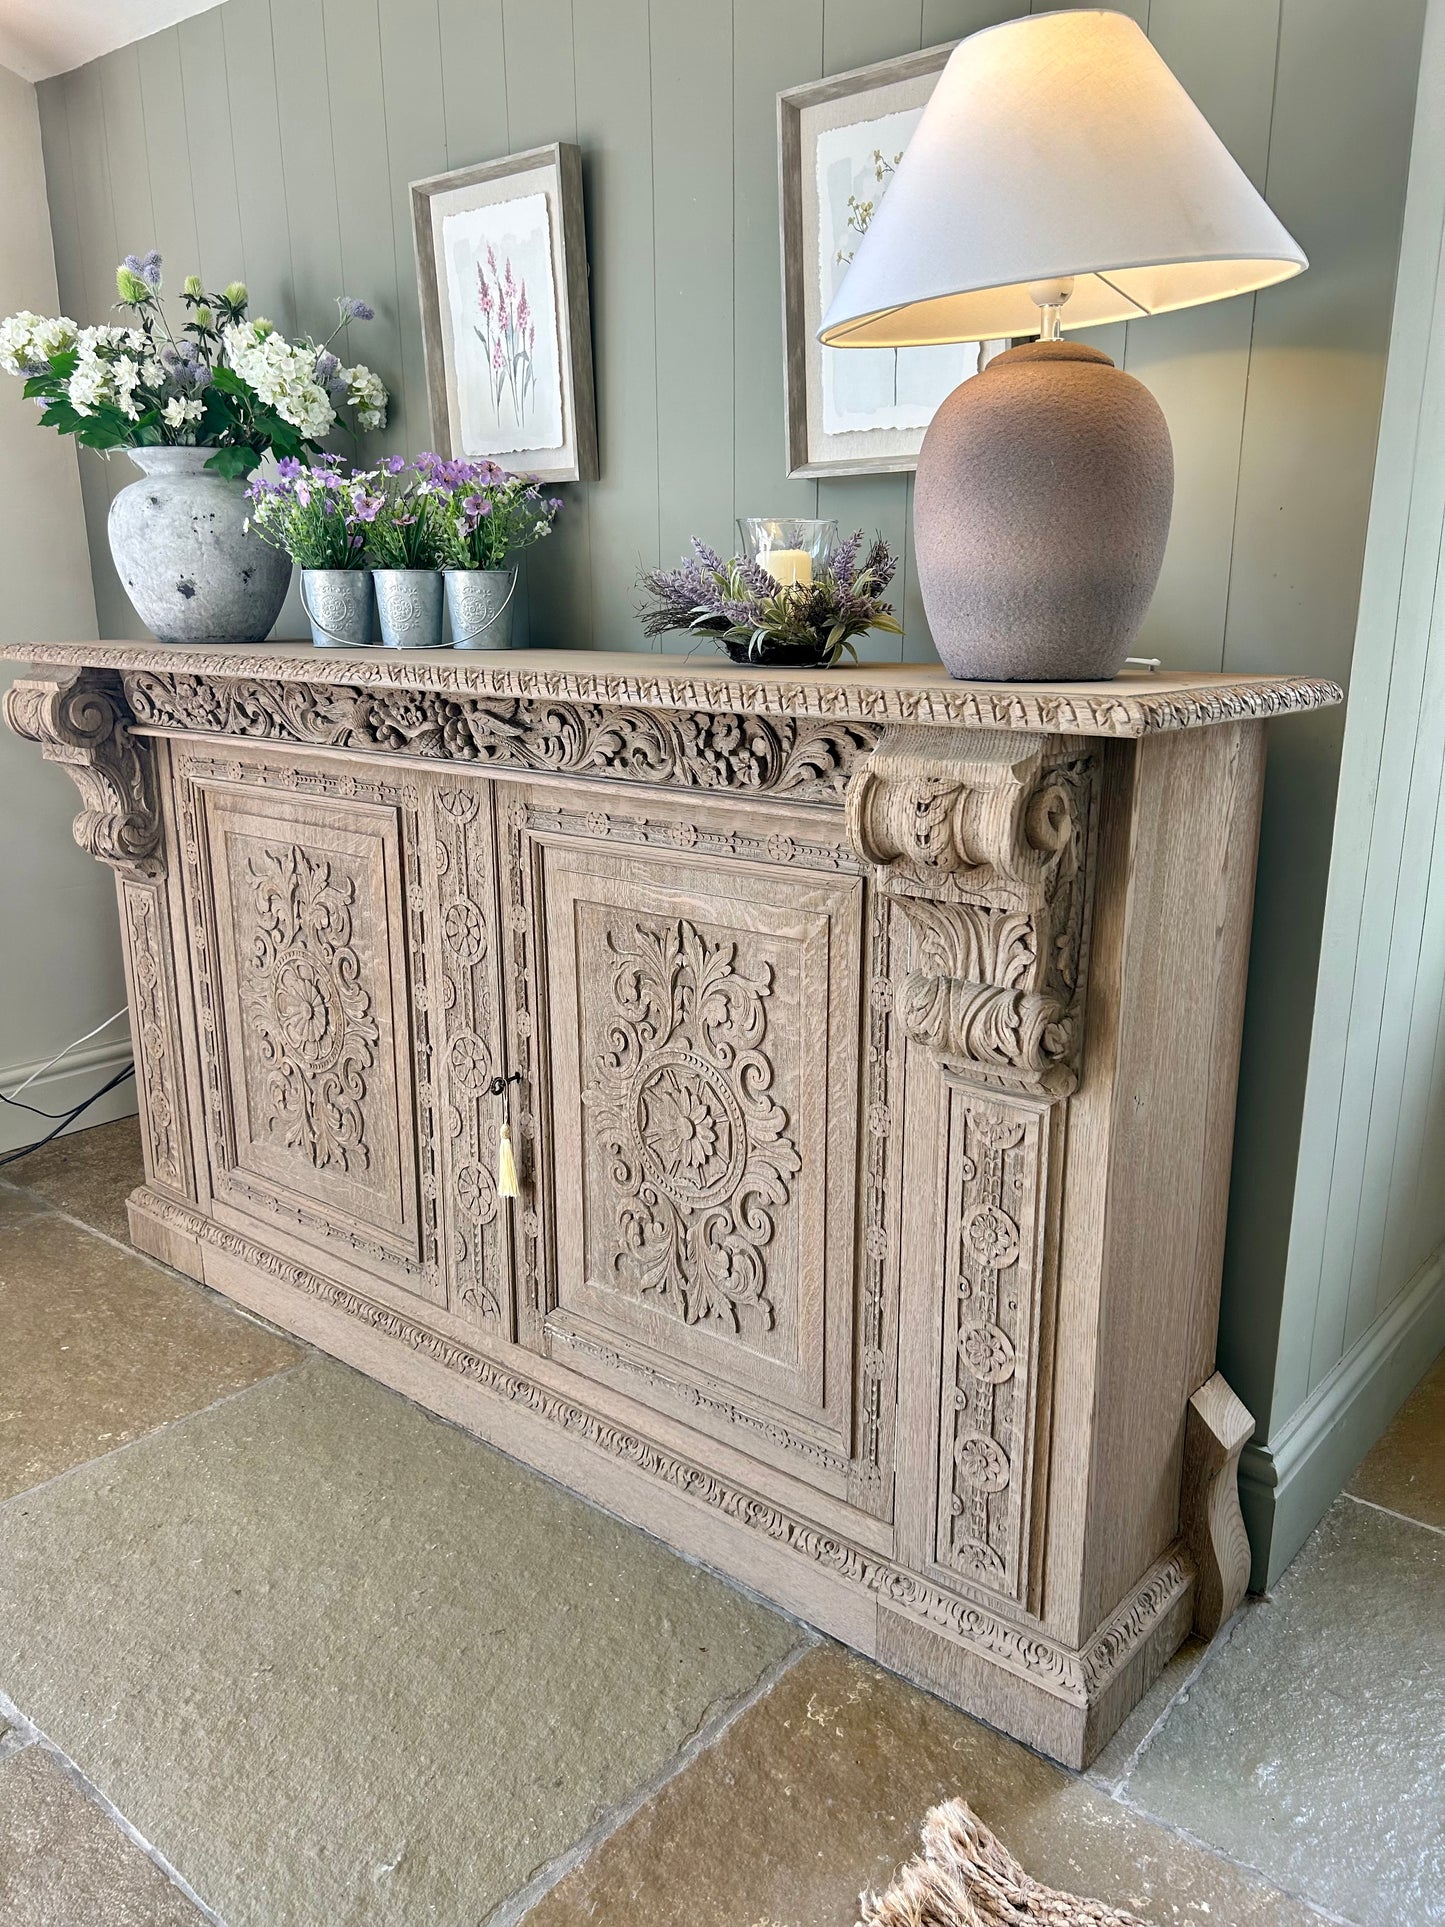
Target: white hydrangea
367 394
27 340
283 376
180 413
91 384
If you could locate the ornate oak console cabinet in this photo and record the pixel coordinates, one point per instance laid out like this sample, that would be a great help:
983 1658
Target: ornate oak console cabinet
873 1041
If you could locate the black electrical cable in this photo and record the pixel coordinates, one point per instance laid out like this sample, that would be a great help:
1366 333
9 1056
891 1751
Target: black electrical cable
69 1118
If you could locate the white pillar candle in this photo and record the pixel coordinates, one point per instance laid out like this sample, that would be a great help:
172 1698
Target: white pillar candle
789 566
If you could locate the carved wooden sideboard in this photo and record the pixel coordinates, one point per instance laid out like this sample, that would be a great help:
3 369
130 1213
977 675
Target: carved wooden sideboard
873 1041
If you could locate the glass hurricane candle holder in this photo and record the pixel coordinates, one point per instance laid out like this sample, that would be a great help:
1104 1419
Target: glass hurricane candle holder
789 548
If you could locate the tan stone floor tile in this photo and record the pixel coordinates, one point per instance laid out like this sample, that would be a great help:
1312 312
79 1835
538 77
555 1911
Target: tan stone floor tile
819 1790
100 1345
18 1207
64 1862
1311 1744
1406 1470
357 1669
90 1174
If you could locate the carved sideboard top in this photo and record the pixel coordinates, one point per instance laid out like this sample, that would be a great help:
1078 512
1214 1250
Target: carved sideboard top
1137 704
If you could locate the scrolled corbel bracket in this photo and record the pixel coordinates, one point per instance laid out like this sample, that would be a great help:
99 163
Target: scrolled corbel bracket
982 838
82 722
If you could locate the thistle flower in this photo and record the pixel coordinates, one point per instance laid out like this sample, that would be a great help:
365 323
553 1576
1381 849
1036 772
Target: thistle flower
146 268
133 291
235 294
191 289
354 310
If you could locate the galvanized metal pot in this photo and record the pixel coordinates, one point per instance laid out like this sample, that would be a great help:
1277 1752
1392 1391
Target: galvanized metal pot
409 602
479 602
338 606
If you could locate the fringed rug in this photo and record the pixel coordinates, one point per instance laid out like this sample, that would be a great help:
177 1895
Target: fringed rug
965 1877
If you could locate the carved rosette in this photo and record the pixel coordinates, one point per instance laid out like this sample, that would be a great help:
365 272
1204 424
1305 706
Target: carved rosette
701 1155
983 838
81 722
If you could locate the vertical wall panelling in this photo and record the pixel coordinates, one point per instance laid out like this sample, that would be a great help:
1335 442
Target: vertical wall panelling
692 118
856 32
414 132
612 52
260 170
1338 159
553 590
363 205
772 48
298 32
221 252
474 77
1364 1302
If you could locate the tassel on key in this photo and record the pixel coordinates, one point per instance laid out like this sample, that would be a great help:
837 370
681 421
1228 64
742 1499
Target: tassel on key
507 1186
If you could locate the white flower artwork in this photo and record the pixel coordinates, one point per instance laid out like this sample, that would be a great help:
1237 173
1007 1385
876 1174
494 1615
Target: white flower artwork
871 388
502 303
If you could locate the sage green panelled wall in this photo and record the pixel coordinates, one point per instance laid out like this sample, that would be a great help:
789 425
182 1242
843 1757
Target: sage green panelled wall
276 138
1364 1298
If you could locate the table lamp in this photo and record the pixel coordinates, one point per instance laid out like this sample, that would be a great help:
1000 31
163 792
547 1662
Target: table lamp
1060 178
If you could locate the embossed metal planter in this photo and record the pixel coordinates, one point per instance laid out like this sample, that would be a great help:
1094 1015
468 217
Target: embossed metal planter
409 602
338 606
479 602
185 557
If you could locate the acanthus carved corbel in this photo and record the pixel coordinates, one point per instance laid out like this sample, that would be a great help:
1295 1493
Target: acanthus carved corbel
81 721
983 839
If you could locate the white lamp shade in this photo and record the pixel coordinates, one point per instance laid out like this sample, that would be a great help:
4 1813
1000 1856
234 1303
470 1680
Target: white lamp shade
1058 145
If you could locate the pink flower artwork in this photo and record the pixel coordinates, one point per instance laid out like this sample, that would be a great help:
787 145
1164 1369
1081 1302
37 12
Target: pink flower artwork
508 336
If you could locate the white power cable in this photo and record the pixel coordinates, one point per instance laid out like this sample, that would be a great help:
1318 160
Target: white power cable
69 1048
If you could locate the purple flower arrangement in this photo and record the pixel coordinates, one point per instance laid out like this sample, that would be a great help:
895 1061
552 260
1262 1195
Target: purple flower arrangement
492 513
758 619
423 514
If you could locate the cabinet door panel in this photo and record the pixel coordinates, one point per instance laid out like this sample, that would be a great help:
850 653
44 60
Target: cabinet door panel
703 1041
301 906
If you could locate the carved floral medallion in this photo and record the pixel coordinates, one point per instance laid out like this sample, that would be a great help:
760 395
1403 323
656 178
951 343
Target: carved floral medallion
304 996
700 1155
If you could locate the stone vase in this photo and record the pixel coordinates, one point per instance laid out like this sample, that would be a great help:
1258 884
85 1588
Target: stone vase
1040 513
409 602
185 557
338 604
479 602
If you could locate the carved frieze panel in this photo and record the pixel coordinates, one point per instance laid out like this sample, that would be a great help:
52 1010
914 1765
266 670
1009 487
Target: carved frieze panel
992 1356
704 1142
305 906
694 749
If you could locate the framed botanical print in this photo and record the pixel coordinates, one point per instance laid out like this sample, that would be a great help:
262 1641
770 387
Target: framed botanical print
502 267
852 411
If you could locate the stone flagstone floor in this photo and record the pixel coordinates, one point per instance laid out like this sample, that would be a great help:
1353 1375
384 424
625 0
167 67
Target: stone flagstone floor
279 1649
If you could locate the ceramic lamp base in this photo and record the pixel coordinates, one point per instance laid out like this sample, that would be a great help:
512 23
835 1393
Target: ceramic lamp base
1040 513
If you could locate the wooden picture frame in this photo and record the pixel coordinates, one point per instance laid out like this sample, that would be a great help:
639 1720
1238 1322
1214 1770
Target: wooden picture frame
501 259
827 435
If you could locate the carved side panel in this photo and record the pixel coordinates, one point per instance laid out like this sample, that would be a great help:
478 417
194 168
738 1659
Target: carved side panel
160 1075
992 1355
689 1003
460 818
307 928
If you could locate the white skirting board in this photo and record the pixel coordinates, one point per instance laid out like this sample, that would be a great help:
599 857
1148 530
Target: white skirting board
71 1081
1288 1483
